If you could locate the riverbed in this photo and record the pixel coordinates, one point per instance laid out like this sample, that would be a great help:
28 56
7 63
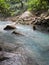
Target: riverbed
35 43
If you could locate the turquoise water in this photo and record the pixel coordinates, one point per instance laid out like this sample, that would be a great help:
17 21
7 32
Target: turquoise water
35 42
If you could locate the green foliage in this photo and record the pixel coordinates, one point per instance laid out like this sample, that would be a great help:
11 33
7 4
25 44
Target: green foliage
4 7
10 7
37 5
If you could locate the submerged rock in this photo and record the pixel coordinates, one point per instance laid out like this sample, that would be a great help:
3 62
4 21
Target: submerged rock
16 33
9 27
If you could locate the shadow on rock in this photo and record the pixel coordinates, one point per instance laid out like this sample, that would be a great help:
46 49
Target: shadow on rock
4 58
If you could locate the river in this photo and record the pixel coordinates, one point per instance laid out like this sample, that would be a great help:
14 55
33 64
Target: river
35 42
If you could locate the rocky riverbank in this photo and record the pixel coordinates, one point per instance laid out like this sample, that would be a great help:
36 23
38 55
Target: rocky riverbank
38 22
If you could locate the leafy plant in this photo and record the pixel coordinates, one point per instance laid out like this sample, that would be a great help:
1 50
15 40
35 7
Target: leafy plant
9 7
37 5
4 7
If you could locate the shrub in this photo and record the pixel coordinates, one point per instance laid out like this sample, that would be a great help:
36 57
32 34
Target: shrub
36 5
4 7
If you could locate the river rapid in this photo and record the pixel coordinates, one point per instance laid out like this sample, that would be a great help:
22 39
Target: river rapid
35 43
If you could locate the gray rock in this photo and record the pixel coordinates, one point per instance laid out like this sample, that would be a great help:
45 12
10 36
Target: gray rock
9 27
34 27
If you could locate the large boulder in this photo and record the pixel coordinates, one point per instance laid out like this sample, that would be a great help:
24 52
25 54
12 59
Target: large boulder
9 27
26 18
26 15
